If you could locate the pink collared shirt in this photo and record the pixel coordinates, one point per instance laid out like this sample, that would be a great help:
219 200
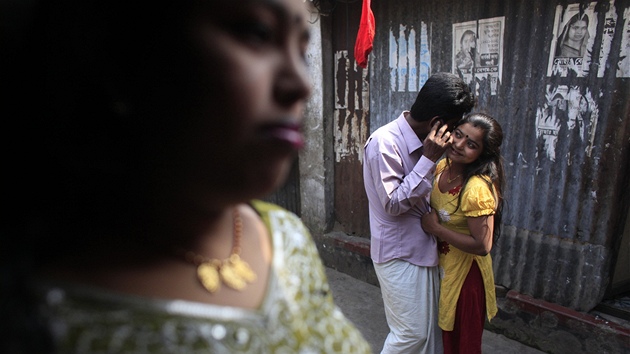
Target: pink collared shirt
398 182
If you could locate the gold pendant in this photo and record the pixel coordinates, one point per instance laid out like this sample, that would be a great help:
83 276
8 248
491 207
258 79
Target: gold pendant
242 268
231 278
208 274
234 272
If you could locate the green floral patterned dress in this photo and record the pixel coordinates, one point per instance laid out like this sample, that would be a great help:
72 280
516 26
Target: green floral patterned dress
298 314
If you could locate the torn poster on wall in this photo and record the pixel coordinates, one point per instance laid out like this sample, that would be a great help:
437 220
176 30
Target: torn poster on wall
575 29
478 51
569 114
623 67
409 69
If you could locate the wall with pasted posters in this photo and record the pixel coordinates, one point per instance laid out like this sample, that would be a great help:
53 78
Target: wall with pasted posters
576 29
555 74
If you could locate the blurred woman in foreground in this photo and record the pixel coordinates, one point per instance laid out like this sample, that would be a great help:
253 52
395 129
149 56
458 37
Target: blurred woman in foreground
145 133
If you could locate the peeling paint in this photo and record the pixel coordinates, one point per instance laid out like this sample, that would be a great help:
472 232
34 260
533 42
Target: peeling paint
409 68
342 64
350 116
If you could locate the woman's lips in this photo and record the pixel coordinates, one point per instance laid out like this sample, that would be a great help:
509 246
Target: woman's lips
288 133
455 152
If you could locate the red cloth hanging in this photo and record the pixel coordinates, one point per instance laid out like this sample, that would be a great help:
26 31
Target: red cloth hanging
365 36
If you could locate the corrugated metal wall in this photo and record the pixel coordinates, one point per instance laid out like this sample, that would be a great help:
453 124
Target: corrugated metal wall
351 126
566 123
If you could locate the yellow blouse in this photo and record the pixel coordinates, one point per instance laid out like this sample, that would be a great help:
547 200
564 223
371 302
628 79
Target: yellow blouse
477 200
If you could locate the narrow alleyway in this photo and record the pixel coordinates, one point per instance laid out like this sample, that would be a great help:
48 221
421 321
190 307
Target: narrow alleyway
362 304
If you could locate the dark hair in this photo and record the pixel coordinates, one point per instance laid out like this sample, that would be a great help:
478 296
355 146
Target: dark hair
444 95
77 158
489 165
88 129
466 33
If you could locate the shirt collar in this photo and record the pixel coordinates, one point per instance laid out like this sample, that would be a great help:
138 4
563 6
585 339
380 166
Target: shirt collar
411 139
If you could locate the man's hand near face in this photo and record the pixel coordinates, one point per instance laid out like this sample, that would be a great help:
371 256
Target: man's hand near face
437 141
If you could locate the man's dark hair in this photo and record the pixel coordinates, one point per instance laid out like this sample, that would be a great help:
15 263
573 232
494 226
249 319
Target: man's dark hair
445 95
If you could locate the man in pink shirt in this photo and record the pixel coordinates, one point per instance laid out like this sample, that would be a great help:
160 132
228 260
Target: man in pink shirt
398 171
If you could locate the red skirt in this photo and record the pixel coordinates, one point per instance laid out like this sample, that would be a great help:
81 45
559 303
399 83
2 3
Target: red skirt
470 316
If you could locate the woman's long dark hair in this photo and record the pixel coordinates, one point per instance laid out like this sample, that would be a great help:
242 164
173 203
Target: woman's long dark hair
489 165
74 162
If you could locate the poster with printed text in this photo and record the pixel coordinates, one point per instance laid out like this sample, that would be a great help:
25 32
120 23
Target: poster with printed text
478 51
573 40
572 44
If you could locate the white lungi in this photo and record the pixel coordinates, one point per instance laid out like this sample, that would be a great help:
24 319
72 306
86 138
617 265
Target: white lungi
410 294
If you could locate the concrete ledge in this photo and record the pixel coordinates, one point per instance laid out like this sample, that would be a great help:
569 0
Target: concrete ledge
556 329
565 315
347 254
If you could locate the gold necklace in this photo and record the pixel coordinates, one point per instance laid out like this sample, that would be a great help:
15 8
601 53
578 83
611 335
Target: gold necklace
232 271
449 180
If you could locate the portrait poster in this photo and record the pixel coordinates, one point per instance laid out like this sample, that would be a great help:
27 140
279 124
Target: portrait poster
572 44
465 55
478 51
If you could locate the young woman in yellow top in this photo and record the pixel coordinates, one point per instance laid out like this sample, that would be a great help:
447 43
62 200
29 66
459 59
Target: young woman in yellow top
466 202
